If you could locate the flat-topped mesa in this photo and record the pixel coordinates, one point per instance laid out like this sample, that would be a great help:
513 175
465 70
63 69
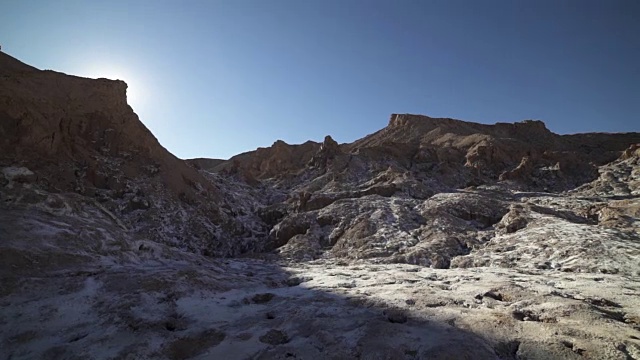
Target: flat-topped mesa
537 124
397 120
116 90
523 129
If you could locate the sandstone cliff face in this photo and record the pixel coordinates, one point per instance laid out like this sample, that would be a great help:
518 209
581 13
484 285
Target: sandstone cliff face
79 135
48 117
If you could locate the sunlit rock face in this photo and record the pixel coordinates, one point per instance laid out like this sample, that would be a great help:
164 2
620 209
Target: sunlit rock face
431 238
437 192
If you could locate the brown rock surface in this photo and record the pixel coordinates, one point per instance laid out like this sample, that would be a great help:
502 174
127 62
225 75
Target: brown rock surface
280 159
48 119
79 135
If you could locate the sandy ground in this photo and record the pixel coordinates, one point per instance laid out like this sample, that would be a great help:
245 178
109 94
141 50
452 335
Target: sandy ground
253 309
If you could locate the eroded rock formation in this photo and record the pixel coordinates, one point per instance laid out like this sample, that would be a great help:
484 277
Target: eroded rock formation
431 238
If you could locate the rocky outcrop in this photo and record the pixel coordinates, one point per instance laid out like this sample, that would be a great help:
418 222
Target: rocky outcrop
328 151
494 152
620 178
633 152
79 135
278 160
71 125
353 190
521 172
451 153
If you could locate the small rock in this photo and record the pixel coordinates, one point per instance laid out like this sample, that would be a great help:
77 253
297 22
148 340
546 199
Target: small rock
138 203
244 336
176 324
525 315
347 285
274 337
294 281
544 266
193 345
54 202
270 316
19 174
396 316
410 302
493 295
262 298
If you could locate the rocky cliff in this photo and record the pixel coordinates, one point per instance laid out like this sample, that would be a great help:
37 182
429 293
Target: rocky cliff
79 135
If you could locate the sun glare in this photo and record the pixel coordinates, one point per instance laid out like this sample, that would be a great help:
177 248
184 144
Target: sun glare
135 94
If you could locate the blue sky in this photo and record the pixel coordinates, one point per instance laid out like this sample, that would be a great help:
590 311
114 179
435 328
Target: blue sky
216 78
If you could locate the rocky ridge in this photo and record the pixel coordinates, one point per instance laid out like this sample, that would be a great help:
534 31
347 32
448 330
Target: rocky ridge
444 238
